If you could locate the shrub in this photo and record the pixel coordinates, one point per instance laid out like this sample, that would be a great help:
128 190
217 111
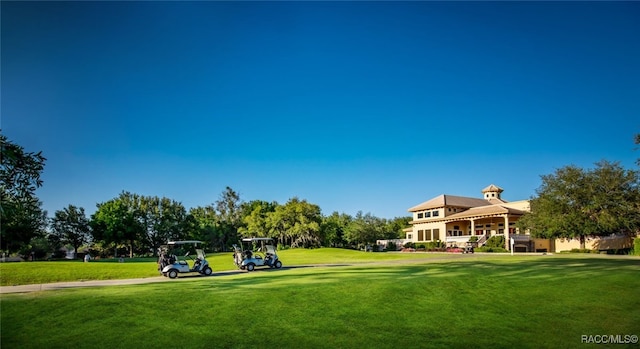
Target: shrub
391 246
473 239
636 246
409 245
582 250
435 246
495 241
490 249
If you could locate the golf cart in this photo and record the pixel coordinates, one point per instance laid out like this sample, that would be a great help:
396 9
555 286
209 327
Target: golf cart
256 252
171 266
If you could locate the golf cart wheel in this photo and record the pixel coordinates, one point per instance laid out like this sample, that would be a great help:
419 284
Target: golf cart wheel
207 271
172 274
278 264
251 266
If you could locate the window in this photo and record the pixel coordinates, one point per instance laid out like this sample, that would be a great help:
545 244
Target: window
427 214
500 231
410 236
456 227
501 224
420 235
427 235
436 234
449 209
420 215
436 213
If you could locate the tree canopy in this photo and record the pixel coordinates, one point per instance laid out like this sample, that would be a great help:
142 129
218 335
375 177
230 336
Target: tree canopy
71 226
578 203
20 210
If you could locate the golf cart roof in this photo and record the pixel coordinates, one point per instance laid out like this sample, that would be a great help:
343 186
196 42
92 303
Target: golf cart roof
184 242
256 239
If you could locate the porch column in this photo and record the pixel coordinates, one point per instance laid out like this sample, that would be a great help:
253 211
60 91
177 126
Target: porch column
473 227
507 240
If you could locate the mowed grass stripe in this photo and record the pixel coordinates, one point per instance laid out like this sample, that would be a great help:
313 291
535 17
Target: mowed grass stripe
29 273
533 302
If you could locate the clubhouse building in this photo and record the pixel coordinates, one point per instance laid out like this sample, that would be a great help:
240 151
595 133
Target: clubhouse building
454 220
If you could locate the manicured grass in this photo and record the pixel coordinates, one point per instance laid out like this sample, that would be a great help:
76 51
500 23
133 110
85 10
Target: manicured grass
485 302
26 273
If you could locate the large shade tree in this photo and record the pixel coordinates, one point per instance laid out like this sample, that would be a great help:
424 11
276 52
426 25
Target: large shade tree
20 210
119 222
71 226
578 203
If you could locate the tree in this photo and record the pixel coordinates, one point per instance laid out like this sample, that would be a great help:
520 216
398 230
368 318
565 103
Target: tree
394 228
118 221
20 210
228 208
364 229
255 216
71 226
577 203
332 229
296 223
205 220
163 220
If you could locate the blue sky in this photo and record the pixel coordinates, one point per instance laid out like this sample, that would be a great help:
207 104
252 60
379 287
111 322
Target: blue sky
371 106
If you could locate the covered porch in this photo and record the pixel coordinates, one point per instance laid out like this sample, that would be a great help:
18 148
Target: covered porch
485 222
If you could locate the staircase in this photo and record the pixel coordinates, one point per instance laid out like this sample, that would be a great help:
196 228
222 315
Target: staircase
482 240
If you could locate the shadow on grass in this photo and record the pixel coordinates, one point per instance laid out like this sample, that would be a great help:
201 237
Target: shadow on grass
542 269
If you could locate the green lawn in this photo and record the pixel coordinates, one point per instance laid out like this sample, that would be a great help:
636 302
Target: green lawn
46 272
478 302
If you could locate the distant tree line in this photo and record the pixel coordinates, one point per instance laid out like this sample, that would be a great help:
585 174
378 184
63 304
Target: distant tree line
132 224
571 203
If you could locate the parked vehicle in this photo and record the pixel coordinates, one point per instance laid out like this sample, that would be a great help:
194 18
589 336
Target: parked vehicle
256 252
170 265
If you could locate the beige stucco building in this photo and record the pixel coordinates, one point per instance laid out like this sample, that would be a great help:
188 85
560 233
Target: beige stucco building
455 219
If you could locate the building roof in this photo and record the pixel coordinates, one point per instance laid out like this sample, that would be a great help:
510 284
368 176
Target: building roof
450 200
492 187
485 211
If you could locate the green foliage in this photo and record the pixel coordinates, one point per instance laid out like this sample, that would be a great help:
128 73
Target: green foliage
490 249
495 241
474 238
21 215
296 223
582 250
71 226
142 223
435 246
636 246
576 203
333 228
364 229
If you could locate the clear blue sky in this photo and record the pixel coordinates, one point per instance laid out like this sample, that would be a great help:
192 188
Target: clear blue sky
371 106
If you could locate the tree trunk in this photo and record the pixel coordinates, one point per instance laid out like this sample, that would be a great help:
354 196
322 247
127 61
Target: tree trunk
582 242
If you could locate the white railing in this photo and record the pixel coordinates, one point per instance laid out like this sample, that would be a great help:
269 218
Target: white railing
481 241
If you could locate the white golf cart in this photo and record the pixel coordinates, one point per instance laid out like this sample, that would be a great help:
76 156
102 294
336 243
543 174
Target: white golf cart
171 266
256 252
